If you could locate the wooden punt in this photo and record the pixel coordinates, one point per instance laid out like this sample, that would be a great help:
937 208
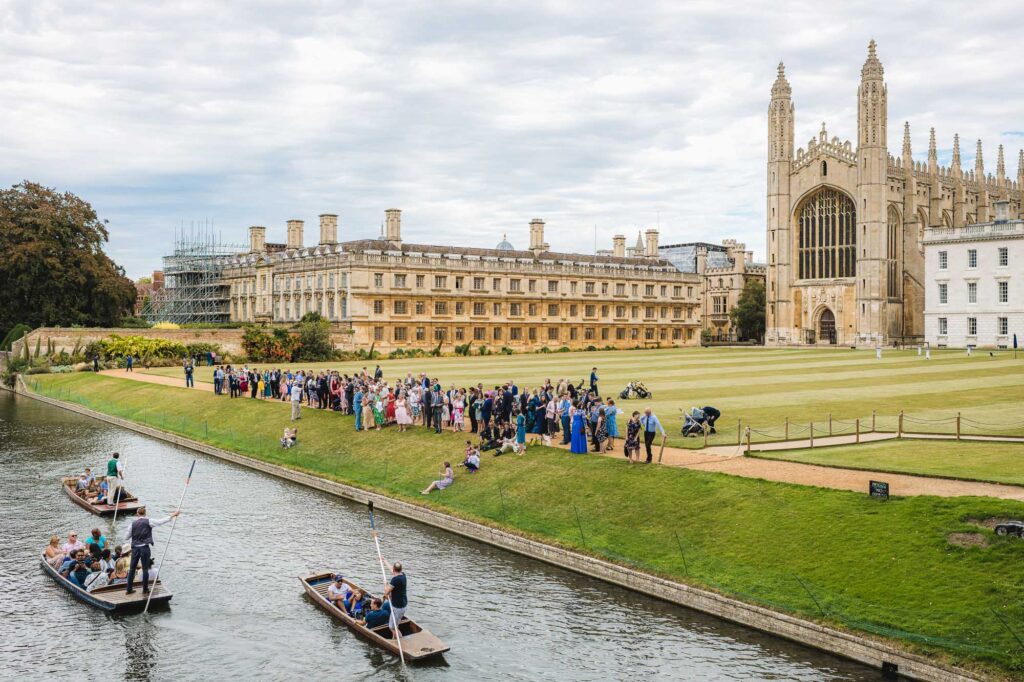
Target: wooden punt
111 598
128 504
417 644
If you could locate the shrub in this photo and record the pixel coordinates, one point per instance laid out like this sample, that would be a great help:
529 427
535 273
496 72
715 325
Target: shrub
590 348
201 348
563 349
62 369
166 325
505 350
314 340
463 349
396 354
137 323
544 349
142 347
15 334
484 350
259 346
14 367
42 369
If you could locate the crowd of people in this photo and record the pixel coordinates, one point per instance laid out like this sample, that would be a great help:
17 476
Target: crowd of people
90 564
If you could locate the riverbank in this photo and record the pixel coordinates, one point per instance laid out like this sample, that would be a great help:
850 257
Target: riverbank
840 558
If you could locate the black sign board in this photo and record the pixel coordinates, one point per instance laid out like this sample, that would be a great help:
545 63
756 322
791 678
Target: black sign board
879 489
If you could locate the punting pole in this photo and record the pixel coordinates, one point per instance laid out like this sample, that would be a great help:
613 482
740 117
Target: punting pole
160 565
384 575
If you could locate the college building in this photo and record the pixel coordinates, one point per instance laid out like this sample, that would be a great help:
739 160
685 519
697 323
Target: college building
387 292
847 222
975 291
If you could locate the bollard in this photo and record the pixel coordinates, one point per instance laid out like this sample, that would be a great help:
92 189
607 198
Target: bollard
899 431
812 434
856 426
787 429
748 440
872 421
739 432
958 426
830 423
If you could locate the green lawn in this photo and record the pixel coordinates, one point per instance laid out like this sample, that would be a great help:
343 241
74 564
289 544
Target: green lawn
879 567
762 387
980 461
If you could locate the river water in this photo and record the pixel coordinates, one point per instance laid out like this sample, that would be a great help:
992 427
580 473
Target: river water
239 611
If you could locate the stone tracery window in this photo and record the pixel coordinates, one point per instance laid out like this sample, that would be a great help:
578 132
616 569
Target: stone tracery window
893 254
827 246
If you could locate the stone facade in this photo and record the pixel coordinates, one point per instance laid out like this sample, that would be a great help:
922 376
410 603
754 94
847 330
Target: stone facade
724 271
847 223
398 295
975 289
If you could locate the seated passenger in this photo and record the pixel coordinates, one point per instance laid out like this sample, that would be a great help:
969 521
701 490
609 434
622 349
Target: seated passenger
90 480
97 538
121 564
102 572
72 544
79 568
53 553
103 491
82 485
379 614
338 591
355 604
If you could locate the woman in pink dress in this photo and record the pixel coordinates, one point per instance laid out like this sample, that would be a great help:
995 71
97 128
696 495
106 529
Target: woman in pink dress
458 407
402 412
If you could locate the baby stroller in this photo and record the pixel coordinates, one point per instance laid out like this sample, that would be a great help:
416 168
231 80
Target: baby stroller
693 422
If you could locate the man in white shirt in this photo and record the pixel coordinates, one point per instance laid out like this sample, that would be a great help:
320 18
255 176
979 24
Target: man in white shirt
338 591
296 400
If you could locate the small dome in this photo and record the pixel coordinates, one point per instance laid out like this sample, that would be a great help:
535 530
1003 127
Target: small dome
504 244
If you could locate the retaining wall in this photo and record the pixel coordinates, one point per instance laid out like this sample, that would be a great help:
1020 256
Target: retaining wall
857 648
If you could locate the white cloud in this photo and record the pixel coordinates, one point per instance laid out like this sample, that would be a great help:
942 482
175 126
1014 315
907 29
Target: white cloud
472 117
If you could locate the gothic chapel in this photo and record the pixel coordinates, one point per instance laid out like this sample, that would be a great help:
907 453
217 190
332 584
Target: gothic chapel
845 223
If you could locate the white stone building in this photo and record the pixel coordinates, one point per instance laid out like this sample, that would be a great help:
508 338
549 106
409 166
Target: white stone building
974 277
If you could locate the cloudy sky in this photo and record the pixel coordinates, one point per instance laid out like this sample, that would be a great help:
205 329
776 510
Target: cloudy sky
471 117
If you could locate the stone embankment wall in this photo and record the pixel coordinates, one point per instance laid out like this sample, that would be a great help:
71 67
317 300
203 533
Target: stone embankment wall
870 652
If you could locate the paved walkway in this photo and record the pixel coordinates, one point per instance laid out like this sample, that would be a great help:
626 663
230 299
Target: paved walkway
729 459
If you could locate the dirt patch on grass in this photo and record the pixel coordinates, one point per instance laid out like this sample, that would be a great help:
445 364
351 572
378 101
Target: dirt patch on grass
968 540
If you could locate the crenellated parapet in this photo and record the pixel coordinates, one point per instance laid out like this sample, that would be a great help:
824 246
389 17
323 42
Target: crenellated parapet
823 146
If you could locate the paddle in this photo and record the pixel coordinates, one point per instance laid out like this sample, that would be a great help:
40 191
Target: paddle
384 575
174 521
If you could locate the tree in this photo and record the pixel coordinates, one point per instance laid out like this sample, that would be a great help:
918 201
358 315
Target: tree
53 268
748 315
315 338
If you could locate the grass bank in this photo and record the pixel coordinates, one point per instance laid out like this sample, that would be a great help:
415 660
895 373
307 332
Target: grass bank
885 568
972 460
762 387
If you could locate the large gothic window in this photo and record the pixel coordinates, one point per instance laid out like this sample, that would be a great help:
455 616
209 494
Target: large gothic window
893 254
827 244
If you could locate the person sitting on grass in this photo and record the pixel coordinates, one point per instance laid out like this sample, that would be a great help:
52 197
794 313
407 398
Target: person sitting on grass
488 439
472 461
289 437
379 614
447 478
338 592
508 441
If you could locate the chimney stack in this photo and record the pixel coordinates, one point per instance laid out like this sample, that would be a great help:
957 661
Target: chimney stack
328 228
295 234
1002 211
393 226
257 239
651 250
537 244
619 246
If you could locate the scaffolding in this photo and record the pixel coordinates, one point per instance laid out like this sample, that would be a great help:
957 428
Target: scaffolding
194 287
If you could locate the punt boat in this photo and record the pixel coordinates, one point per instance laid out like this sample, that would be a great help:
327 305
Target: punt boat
128 504
417 644
111 598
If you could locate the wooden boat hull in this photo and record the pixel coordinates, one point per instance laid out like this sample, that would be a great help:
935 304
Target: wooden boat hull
417 644
128 505
111 599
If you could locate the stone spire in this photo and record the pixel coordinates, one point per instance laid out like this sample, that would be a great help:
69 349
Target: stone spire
907 155
1020 169
781 89
979 165
933 155
955 165
1000 167
872 69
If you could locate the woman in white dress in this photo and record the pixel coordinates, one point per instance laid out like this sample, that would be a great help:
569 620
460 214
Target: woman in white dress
402 417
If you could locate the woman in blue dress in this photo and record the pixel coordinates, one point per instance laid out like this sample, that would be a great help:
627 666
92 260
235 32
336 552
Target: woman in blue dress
578 444
520 433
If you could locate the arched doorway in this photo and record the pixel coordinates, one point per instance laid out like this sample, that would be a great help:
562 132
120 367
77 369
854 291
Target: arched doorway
827 326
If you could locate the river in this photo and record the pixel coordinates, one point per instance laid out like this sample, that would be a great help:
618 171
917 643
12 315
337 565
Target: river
239 611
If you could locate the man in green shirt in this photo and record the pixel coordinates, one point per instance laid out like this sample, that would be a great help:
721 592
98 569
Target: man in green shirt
115 478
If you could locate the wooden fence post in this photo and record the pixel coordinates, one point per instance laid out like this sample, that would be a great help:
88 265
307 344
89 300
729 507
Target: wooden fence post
787 429
812 434
830 423
856 426
899 431
872 421
739 432
958 426
748 440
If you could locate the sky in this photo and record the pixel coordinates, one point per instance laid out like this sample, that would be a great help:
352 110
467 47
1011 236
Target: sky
600 118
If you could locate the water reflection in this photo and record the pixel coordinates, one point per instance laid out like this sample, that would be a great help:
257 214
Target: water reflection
239 610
